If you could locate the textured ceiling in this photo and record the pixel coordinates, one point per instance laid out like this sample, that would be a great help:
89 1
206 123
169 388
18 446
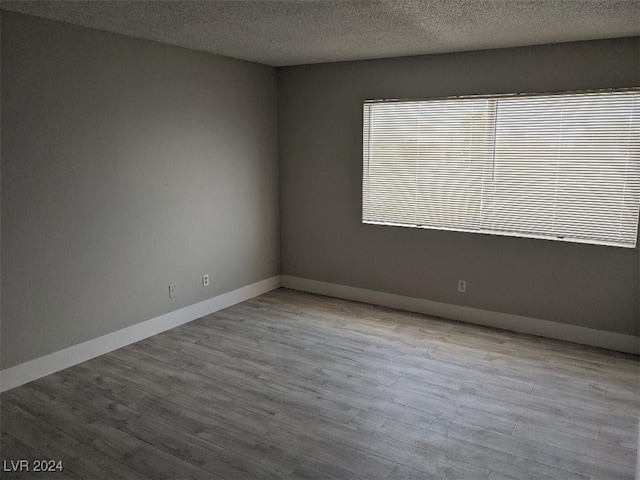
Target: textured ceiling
292 32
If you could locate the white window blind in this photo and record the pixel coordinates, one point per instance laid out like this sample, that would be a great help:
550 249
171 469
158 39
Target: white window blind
563 167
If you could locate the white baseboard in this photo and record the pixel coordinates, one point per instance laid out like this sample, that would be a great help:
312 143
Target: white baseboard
515 323
40 367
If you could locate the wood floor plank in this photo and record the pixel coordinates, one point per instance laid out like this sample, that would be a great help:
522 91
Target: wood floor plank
625 437
84 421
625 396
405 473
565 407
317 470
539 452
228 466
583 446
500 476
223 434
294 385
611 376
78 458
210 380
392 444
174 442
493 457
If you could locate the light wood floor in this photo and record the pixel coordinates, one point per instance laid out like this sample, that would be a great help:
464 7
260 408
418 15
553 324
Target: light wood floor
292 385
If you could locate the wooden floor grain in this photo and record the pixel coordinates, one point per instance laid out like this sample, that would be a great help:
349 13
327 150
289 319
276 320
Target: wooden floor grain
298 386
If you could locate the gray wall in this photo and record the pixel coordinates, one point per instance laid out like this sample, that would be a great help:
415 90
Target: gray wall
322 237
127 165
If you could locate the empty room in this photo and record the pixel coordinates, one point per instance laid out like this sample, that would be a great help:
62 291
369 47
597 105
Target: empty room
320 239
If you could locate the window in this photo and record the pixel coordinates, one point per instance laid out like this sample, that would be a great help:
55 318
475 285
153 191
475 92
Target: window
561 167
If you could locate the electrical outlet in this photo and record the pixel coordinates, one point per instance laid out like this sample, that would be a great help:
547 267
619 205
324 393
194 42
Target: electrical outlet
172 290
462 286
205 280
